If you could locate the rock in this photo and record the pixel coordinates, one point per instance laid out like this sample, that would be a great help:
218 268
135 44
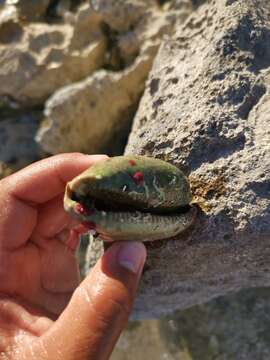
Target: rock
235 326
96 113
8 107
205 110
17 145
37 58
10 28
156 23
140 341
93 251
90 115
4 170
49 56
62 8
230 327
150 30
30 10
121 15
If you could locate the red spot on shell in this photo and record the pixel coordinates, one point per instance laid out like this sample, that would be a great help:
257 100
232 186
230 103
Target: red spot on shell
80 209
138 177
90 225
132 162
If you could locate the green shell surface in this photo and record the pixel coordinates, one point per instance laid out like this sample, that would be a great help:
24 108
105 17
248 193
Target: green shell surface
141 182
131 197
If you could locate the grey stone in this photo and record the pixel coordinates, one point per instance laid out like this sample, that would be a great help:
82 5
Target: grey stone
228 328
231 327
89 115
30 10
95 114
121 15
4 170
205 109
39 58
94 251
17 145
10 28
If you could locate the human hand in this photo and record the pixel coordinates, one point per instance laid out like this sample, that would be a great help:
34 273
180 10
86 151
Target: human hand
41 316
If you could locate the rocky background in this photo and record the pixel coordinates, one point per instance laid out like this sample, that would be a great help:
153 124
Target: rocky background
183 80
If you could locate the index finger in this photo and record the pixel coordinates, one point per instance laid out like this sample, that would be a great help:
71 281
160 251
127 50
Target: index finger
45 179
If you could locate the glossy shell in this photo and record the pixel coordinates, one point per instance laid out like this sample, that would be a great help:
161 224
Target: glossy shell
131 197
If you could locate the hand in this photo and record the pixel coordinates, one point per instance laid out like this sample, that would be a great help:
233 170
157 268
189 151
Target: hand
39 272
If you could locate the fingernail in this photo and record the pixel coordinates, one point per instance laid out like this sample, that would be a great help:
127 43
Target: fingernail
132 256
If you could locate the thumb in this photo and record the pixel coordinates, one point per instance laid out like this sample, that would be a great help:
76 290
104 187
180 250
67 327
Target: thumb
99 308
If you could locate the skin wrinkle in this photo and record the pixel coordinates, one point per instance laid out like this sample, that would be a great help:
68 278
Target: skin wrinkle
90 298
24 332
5 268
15 229
34 173
99 284
58 174
12 312
50 280
98 289
83 293
28 203
44 226
97 339
16 314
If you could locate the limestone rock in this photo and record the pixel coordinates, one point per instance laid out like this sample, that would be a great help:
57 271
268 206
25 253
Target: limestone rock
94 250
121 15
30 10
89 115
151 28
44 57
10 28
95 115
141 340
206 110
235 326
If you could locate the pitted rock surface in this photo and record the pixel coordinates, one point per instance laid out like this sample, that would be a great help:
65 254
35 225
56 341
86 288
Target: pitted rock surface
95 114
121 15
206 109
38 58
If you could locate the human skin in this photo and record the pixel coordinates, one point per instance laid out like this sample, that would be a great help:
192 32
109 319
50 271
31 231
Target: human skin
44 312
